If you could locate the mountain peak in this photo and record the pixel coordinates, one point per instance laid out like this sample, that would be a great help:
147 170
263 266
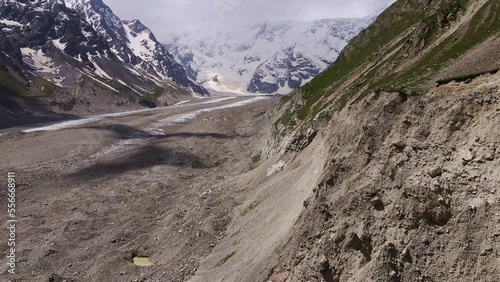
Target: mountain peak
267 57
133 43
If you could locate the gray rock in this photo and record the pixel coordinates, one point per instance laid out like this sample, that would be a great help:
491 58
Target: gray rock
466 156
435 172
376 201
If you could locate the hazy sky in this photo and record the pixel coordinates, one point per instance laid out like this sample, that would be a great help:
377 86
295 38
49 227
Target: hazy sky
171 16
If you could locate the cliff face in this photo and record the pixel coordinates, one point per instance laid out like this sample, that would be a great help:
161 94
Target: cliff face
410 113
410 191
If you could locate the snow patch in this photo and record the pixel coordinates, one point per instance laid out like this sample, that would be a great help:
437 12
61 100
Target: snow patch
182 102
98 70
140 43
131 88
226 60
183 118
59 45
11 23
97 80
39 61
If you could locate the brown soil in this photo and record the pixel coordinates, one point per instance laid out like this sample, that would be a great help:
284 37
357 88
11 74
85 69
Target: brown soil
410 191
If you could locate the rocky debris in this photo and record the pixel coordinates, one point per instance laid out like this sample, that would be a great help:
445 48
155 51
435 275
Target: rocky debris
141 200
206 193
486 252
431 159
51 252
307 202
326 270
360 244
303 140
197 164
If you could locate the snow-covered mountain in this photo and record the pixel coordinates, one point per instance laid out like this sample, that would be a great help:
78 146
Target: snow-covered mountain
62 41
271 57
132 42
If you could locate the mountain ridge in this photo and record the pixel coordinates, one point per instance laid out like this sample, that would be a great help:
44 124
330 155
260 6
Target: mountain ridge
58 59
146 54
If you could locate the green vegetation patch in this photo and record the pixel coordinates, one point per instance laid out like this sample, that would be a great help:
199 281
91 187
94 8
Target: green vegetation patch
372 45
9 86
389 25
256 158
286 119
47 88
484 24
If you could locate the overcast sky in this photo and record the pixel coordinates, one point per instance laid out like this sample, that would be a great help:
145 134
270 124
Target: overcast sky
164 17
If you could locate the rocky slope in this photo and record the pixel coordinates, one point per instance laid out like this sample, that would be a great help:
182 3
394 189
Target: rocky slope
270 57
410 116
57 58
409 193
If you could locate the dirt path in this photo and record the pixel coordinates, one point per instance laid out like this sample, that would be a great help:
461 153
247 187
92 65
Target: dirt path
163 184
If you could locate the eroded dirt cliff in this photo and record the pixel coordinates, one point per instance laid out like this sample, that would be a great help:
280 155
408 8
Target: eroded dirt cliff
410 191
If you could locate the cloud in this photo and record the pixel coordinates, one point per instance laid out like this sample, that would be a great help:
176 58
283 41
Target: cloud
172 16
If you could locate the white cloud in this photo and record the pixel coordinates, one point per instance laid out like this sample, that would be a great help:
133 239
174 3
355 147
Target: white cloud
171 16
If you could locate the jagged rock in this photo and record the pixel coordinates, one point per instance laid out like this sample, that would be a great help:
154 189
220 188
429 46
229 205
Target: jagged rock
400 145
303 140
307 202
363 245
486 252
407 255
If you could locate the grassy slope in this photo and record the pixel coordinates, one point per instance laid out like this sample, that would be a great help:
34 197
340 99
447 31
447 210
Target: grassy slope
10 86
417 25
